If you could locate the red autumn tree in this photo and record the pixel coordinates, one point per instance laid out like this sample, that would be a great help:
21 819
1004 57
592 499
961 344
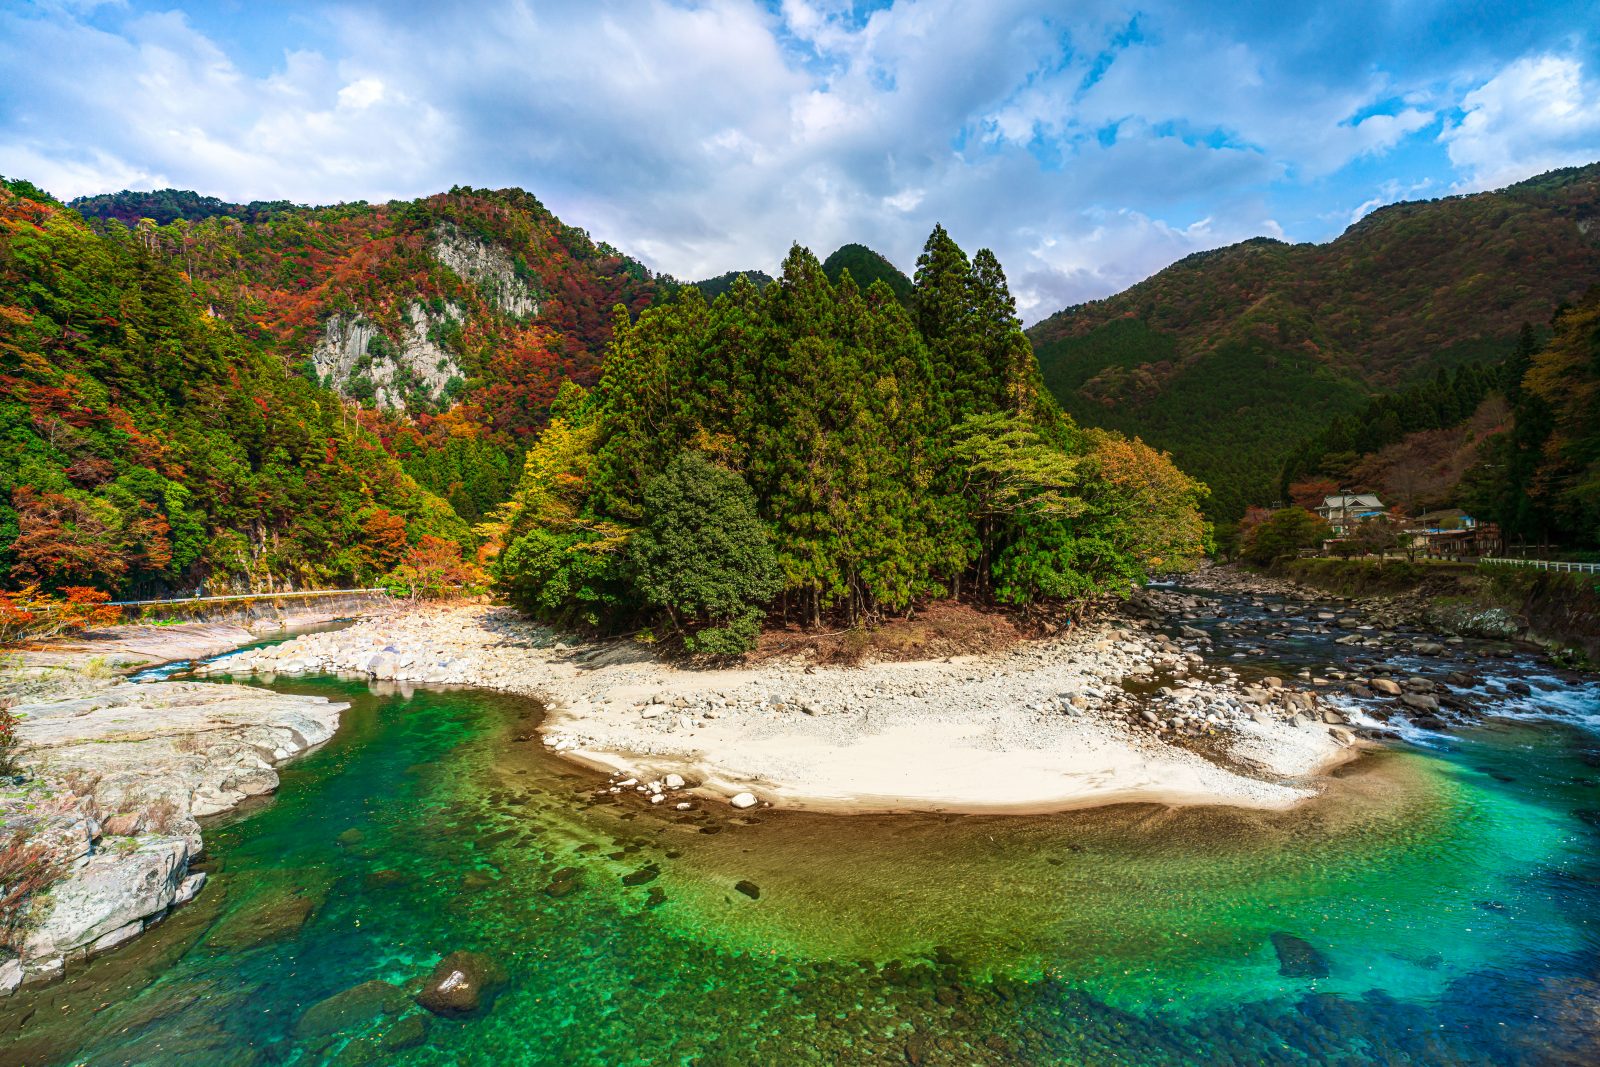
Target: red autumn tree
66 540
431 568
1309 493
383 538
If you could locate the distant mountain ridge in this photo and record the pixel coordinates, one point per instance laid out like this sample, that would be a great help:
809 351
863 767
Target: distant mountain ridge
1230 357
163 206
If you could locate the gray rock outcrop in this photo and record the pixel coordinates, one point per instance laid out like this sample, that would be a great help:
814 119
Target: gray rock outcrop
485 265
355 356
121 777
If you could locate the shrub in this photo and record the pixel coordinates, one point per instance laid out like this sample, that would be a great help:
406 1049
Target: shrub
11 745
27 613
26 867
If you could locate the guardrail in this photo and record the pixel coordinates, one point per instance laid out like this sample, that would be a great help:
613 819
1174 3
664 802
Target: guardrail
241 596
1547 565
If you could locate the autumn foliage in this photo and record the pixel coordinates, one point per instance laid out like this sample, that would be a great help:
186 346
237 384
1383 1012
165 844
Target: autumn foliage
27 613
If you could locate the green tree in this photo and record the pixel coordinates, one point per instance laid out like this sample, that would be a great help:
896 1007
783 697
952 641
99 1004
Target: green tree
1286 532
704 556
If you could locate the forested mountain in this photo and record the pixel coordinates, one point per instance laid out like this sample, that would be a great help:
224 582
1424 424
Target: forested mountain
814 448
145 444
1411 447
1515 442
1540 478
452 319
711 288
866 267
1229 358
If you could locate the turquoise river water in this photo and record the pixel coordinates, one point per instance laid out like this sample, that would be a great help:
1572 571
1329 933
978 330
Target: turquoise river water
1449 887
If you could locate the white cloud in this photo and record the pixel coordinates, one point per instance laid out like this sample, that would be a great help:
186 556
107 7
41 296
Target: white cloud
706 135
1539 113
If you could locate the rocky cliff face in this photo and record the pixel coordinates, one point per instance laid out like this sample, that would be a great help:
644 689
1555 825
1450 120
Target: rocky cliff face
360 360
418 368
487 266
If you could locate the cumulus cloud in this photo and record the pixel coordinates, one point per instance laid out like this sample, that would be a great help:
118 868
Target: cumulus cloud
1088 147
1539 113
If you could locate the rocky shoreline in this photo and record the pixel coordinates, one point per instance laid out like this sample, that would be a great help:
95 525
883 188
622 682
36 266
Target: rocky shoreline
117 775
1112 712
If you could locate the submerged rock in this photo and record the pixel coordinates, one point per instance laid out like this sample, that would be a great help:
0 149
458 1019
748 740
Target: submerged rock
409 1032
749 889
461 983
326 1020
642 875
272 919
1297 958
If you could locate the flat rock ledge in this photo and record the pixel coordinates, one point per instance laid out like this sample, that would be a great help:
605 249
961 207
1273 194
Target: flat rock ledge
117 782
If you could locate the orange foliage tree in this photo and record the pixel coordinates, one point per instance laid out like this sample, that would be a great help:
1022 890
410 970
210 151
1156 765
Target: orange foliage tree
27 613
432 568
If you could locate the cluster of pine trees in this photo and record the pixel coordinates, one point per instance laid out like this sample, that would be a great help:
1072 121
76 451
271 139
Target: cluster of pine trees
1540 480
812 449
1438 404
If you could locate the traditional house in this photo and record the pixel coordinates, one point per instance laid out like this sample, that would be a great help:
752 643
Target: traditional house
1345 511
1451 533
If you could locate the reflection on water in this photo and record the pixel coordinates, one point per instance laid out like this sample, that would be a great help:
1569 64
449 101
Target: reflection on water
1433 908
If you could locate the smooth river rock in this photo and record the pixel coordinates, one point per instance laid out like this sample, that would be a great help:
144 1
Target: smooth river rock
149 760
110 892
461 983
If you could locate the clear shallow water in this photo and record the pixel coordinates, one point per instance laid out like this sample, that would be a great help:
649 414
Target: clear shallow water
1450 891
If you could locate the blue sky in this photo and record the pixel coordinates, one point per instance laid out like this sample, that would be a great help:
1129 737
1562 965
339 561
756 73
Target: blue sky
1089 144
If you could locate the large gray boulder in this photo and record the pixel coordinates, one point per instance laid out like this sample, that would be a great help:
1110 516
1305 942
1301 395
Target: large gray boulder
106 894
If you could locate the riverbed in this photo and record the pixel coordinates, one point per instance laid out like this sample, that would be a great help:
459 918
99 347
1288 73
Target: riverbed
1435 905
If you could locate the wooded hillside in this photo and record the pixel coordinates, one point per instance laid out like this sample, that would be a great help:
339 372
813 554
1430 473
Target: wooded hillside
1229 358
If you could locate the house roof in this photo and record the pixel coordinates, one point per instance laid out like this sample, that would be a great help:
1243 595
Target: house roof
1354 500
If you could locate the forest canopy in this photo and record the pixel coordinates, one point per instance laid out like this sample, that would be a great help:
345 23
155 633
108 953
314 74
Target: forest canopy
814 449
146 447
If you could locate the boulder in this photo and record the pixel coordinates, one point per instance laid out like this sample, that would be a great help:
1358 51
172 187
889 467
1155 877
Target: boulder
673 781
743 800
327 1020
125 824
1386 686
10 977
461 983
1297 958
188 888
106 894
1420 701
121 935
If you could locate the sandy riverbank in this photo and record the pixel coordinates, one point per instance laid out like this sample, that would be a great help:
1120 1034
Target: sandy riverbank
1043 726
